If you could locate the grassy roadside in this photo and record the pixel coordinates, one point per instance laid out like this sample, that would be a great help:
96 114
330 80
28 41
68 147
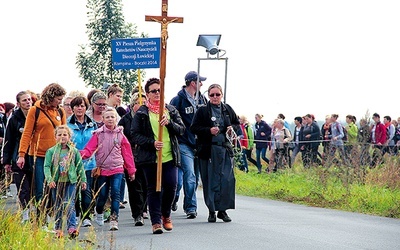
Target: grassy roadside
14 235
362 190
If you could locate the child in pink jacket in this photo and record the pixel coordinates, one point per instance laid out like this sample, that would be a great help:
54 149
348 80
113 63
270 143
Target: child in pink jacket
113 155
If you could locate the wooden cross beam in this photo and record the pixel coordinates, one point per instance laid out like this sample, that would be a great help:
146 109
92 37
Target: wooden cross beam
164 20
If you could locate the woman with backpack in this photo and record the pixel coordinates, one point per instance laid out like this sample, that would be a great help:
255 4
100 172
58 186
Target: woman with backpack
38 135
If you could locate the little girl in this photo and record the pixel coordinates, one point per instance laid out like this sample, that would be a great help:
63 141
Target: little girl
63 169
113 153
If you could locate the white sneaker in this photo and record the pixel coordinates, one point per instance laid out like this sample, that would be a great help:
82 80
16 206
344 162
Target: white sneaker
47 230
25 216
113 225
99 219
48 219
86 223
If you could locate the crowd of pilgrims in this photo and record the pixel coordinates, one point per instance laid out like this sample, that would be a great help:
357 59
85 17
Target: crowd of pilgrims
346 144
72 156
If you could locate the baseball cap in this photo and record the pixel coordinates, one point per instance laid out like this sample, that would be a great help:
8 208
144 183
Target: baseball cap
192 76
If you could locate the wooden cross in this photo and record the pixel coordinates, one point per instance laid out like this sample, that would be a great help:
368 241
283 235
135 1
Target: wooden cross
164 20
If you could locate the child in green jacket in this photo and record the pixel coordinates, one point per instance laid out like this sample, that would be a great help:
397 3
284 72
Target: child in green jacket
63 170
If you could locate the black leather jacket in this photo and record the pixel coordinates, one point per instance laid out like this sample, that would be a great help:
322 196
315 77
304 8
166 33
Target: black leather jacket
143 135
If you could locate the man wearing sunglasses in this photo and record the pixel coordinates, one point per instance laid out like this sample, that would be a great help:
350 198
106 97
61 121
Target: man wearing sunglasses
186 102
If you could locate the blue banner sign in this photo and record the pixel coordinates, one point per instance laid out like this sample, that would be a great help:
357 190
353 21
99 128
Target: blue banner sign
135 53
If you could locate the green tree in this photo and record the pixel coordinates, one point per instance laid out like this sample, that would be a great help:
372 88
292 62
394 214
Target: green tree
94 61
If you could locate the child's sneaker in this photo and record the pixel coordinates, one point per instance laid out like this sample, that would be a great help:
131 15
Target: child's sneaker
86 223
107 214
25 216
113 225
59 233
73 233
47 230
99 219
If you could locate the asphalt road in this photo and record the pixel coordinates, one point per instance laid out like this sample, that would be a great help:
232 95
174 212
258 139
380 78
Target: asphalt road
256 224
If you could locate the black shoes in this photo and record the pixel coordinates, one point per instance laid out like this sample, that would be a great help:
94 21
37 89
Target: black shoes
174 206
191 215
212 217
223 216
220 215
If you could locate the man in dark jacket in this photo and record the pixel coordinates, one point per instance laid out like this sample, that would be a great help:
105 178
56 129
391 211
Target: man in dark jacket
311 136
186 102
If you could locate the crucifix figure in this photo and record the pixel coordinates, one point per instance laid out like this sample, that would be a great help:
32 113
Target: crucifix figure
164 29
164 20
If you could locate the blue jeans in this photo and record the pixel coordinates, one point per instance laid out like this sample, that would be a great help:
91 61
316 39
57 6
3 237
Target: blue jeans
83 206
260 153
39 176
179 184
189 182
64 194
105 184
122 191
295 151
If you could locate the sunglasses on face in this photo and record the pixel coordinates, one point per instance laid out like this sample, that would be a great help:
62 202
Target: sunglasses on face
154 91
101 104
215 94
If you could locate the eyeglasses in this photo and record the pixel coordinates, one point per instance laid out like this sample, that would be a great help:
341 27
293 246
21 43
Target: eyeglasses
215 94
66 104
101 104
155 91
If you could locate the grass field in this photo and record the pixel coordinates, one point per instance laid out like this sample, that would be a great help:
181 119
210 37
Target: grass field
371 191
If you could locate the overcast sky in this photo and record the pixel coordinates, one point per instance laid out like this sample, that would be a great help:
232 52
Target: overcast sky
292 57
